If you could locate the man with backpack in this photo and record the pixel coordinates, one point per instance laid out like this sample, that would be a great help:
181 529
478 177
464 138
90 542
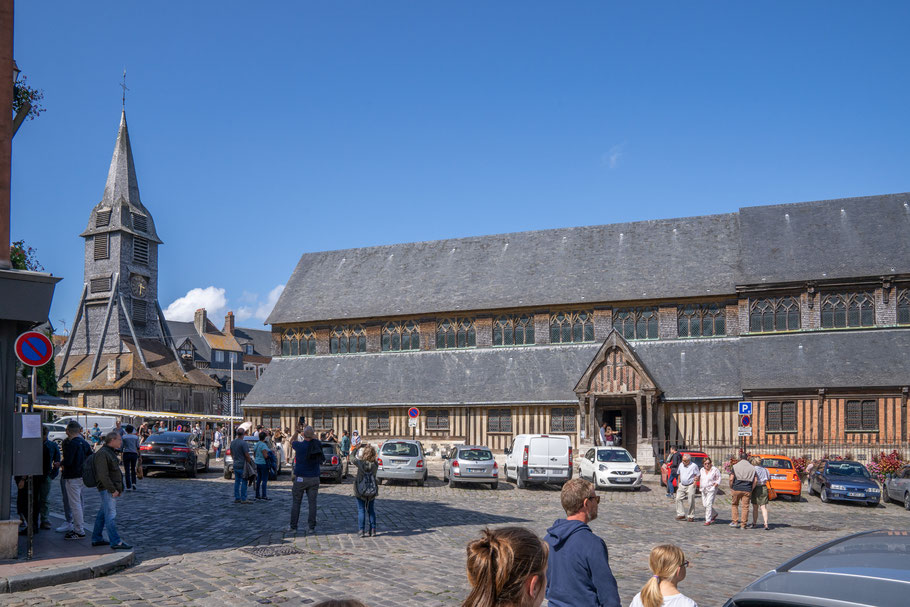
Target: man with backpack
103 471
308 457
75 451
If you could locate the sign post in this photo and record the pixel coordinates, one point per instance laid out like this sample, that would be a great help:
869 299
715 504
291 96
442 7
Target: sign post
413 414
745 422
35 350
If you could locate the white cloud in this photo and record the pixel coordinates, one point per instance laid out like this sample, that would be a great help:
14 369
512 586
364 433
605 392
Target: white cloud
264 309
611 158
210 298
258 310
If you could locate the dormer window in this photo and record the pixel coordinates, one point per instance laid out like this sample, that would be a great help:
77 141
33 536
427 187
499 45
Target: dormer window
248 349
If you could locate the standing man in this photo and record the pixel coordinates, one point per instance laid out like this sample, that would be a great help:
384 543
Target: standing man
75 450
688 474
674 461
307 457
110 486
130 456
345 451
217 441
240 452
51 454
578 570
742 480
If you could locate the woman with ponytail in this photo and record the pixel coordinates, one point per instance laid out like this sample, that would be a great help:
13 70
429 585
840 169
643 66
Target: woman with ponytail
507 567
668 565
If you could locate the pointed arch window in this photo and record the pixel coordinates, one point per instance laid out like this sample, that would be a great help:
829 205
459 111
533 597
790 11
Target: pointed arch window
771 314
571 327
513 330
298 342
456 333
400 336
848 310
348 339
903 307
636 323
706 320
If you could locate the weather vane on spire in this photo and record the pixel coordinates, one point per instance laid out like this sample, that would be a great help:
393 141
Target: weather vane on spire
123 86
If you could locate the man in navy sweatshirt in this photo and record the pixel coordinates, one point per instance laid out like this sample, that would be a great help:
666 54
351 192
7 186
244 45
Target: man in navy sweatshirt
578 571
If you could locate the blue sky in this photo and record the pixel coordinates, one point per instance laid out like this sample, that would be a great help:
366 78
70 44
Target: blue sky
265 130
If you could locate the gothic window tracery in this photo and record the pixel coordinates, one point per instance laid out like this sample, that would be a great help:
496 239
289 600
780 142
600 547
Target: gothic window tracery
771 314
348 339
400 336
705 320
571 327
636 323
513 330
848 310
456 333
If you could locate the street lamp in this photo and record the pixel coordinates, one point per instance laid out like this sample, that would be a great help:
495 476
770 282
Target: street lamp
67 388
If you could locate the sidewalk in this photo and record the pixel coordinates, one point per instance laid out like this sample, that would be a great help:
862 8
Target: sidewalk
57 561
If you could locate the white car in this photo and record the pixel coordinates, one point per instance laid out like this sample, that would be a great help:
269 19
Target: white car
538 458
610 467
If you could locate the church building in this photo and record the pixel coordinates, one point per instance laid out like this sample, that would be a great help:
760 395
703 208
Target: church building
655 328
120 354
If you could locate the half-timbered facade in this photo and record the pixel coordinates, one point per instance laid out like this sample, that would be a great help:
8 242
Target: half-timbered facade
655 328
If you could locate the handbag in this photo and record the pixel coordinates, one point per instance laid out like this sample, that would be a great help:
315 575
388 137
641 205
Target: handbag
249 470
772 494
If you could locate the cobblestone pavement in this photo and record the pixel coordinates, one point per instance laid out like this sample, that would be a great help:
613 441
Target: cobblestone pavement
193 545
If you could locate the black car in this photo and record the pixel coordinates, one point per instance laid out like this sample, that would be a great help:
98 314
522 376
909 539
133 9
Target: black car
175 452
331 468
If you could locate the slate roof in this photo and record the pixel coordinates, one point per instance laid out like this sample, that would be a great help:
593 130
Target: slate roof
686 257
243 380
684 370
180 331
261 340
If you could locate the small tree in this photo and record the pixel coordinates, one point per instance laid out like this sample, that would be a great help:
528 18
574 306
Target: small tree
23 257
26 96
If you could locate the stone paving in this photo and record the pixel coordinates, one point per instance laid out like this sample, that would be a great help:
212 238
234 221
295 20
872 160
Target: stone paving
193 545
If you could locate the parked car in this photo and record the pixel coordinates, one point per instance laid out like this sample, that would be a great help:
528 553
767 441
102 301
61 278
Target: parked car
229 461
332 468
867 568
175 452
105 422
56 432
697 457
784 479
538 458
844 480
610 467
897 487
470 464
402 460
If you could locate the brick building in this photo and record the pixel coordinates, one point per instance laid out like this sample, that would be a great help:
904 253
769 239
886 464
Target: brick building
120 353
657 328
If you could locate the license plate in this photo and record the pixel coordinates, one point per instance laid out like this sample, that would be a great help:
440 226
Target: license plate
855 494
399 461
475 470
621 480
537 471
162 461
779 477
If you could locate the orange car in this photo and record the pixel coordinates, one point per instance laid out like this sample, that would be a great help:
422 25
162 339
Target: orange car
784 479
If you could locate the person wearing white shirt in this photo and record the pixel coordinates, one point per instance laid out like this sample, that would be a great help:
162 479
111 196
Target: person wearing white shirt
709 480
688 474
668 564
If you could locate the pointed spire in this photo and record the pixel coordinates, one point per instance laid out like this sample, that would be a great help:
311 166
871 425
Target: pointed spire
121 178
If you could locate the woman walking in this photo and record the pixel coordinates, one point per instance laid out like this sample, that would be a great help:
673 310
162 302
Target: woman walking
366 488
507 567
668 565
759 496
709 480
261 460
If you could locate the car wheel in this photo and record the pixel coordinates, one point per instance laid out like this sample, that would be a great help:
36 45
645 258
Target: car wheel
191 471
907 501
205 468
227 473
451 483
494 486
823 494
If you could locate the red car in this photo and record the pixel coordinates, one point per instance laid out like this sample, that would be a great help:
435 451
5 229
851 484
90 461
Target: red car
698 458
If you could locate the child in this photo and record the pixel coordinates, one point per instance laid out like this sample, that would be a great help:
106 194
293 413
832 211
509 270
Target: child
668 565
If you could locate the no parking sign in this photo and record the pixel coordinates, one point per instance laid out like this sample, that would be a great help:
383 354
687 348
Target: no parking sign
34 349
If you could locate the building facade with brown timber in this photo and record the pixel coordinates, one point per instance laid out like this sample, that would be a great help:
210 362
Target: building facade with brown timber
656 328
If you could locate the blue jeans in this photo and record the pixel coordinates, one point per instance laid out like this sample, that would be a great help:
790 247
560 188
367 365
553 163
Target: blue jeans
239 485
671 490
106 519
364 507
262 479
218 451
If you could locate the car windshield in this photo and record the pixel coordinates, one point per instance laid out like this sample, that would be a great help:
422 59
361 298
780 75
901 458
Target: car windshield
400 449
847 469
173 438
475 455
613 455
776 462
328 450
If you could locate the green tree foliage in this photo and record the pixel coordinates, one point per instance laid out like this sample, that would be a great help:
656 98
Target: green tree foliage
22 94
23 257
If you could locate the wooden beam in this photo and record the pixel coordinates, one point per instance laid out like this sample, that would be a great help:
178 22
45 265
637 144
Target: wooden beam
129 323
69 342
115 286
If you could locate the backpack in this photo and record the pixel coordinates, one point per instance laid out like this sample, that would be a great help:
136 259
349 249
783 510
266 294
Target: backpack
88 472
366 486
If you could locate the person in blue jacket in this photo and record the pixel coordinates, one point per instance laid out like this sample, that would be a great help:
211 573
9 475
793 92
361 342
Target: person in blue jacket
578 571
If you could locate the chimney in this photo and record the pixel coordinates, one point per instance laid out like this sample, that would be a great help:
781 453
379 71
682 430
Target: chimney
199 321
229 323
113 370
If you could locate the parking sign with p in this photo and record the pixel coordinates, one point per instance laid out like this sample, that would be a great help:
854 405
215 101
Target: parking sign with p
745 407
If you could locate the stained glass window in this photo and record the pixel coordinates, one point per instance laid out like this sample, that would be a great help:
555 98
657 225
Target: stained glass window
398 336
455 333
513 330
848 310
701 320
773 314
348 339
636 323
571 327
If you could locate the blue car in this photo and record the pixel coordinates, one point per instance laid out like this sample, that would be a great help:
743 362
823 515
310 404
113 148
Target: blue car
846 481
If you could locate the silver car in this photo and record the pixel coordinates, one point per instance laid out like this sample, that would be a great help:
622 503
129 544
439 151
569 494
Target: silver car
897 487
402 460
470 464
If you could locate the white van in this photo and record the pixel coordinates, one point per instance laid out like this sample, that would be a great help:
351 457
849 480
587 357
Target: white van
105 422
539 458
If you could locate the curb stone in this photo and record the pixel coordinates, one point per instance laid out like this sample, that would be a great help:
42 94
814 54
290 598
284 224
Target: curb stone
63 575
